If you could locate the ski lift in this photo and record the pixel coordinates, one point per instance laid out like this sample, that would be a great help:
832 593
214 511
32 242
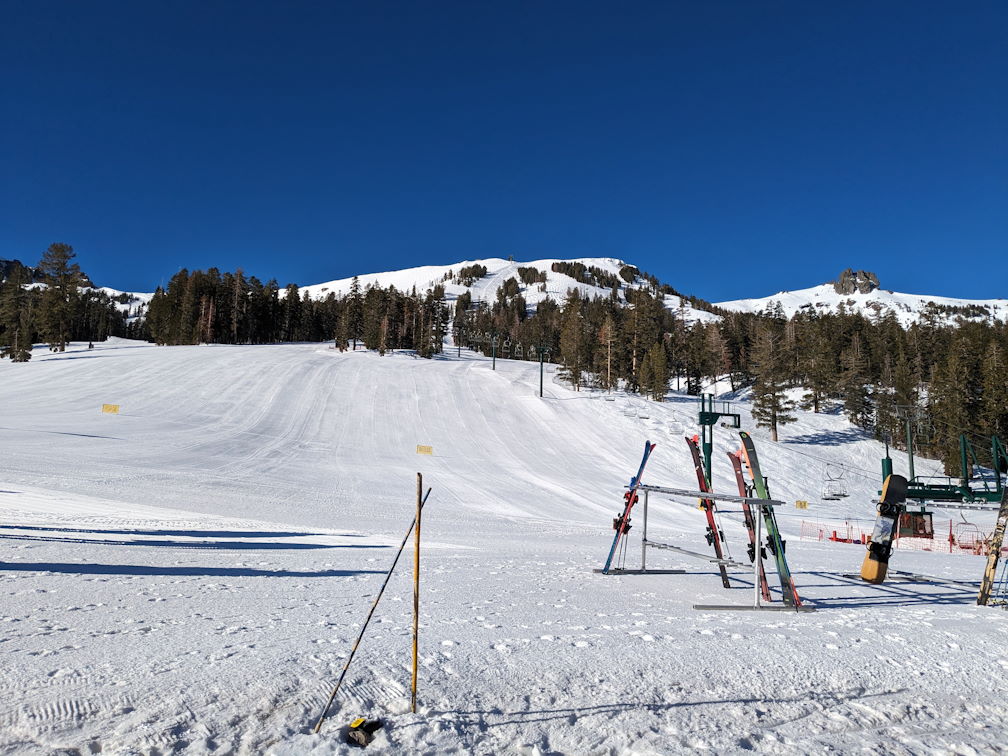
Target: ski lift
507 347
519 353
916 525
834 486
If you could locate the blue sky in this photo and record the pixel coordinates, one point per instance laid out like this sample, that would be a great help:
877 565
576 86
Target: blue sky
730 148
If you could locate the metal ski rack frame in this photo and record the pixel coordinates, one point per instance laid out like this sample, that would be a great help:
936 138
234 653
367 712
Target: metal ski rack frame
757 580
710 413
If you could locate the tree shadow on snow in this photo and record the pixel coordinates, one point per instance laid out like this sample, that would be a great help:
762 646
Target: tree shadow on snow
206 545
189 533
150 570
831 438
72 356
64 433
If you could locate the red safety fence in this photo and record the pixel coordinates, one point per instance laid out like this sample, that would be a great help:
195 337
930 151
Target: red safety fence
960 538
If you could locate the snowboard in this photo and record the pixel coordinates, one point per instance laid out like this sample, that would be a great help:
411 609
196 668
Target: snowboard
876 561
994 554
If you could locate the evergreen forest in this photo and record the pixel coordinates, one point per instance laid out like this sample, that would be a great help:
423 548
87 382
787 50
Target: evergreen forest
947 374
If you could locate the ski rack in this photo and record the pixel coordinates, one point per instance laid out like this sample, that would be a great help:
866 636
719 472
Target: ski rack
757 580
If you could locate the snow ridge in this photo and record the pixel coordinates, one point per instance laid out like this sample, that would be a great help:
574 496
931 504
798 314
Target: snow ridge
907 308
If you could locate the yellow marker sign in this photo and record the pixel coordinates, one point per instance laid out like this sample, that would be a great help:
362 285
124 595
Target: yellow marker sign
110 409
424 449
801 505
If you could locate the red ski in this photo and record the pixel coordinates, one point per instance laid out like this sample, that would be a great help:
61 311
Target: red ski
714 535
750 524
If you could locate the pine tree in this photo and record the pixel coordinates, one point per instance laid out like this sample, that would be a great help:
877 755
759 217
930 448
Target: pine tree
186 329
818 363
853 380
355 311
658 376
949 404
604 357
994 401
573 344
16 316
239 305
62 277
883 396
771 405
717 349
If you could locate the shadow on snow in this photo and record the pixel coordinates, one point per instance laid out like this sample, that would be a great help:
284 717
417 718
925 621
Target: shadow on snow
193 571
487 719
63 433
205 545
831 438
190 533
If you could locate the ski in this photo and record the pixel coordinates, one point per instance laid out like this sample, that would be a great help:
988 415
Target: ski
714 535
774 541
622 523
994 553
750 524
876 561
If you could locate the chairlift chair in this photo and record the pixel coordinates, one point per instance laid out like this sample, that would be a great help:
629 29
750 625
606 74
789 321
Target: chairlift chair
834 487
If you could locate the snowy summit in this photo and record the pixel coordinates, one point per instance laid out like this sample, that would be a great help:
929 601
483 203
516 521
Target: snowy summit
859 292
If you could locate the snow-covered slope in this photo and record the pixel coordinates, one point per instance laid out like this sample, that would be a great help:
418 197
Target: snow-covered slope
134 306
131 305
908 308
484 289
190 574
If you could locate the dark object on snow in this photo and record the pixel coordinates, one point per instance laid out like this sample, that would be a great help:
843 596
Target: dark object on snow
362 731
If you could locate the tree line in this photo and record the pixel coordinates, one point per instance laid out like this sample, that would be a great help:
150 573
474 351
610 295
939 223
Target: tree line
54 304
874 370
230 308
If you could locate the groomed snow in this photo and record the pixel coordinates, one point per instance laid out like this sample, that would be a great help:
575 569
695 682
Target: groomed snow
190 574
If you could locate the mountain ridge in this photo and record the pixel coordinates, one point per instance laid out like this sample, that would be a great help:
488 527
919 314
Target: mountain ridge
537 280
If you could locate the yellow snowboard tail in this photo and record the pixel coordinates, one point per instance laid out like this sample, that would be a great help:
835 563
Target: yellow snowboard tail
872 570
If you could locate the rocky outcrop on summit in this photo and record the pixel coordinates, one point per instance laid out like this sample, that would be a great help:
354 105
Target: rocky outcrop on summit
851 281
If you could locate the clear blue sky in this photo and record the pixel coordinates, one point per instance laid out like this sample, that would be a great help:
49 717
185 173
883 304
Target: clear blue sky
730 148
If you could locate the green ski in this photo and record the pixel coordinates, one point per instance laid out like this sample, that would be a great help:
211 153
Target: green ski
774 541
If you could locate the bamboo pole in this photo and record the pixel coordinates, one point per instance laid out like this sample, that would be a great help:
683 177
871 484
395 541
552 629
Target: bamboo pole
332 697
416 588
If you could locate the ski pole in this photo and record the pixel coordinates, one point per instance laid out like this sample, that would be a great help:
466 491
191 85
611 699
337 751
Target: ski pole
332 697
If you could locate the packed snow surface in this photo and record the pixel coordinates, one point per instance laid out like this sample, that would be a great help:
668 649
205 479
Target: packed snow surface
190 574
